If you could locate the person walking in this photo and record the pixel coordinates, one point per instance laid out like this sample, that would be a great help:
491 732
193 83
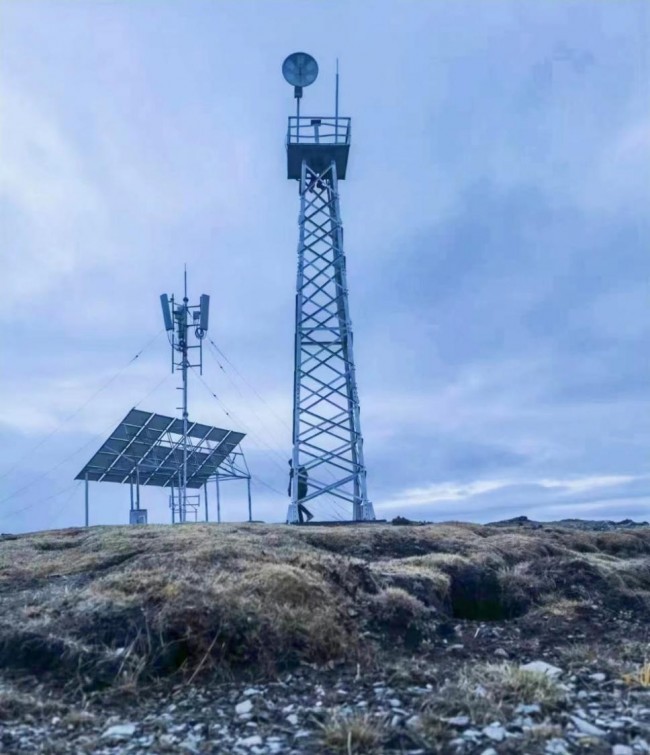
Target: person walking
303 488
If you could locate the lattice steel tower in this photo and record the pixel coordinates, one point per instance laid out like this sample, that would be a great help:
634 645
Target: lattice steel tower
327 454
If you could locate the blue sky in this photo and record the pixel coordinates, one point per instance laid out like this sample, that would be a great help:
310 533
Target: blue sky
496 225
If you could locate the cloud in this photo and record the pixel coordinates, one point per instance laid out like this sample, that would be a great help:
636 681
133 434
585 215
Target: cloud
48 202
482 499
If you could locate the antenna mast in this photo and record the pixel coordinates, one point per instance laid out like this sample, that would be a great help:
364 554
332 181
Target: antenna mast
179 319
185 364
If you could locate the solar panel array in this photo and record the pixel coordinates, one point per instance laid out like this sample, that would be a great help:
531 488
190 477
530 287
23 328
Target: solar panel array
148 448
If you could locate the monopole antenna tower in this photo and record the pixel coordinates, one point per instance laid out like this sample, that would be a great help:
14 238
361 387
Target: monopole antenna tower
181 320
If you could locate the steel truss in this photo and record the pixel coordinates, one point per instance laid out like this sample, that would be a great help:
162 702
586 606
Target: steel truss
232 467
327 438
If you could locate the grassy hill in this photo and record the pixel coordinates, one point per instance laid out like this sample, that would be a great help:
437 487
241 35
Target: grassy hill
107 610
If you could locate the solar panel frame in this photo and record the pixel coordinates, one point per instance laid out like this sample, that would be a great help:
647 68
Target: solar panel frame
141 448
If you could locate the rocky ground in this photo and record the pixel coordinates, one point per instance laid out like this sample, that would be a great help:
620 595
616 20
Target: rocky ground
565 672
587 525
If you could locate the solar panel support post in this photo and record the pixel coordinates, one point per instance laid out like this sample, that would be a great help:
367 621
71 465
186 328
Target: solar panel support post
173 502
179 491
205 494
216 479
250 503
86 501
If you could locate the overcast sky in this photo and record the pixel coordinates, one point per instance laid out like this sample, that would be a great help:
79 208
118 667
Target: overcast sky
497 231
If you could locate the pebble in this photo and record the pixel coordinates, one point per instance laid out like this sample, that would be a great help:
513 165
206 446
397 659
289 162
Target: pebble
557 747
292 718
541 667
119 732
458 721
241 709
622 750
501 653
584 727
528 710
254 741
495 732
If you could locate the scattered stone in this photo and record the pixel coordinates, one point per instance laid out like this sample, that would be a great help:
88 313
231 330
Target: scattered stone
557 746
458 721
584 727
241 709
528 710
541 667
501 653
119 732
292 718
622 750
495 732
598 677
254 741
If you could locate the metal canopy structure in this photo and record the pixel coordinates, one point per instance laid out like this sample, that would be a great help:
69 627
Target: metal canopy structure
147 449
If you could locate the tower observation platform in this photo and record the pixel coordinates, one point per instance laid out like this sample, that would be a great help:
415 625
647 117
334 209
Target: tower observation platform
319 142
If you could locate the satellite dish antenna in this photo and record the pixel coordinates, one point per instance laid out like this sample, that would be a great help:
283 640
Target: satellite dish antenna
300 70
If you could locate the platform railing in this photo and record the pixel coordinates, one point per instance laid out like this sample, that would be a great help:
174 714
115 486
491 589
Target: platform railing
318 130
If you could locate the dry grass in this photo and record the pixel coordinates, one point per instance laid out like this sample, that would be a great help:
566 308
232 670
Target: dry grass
506 683
486 693
19 706
397 608
128 603
639 678
349 733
